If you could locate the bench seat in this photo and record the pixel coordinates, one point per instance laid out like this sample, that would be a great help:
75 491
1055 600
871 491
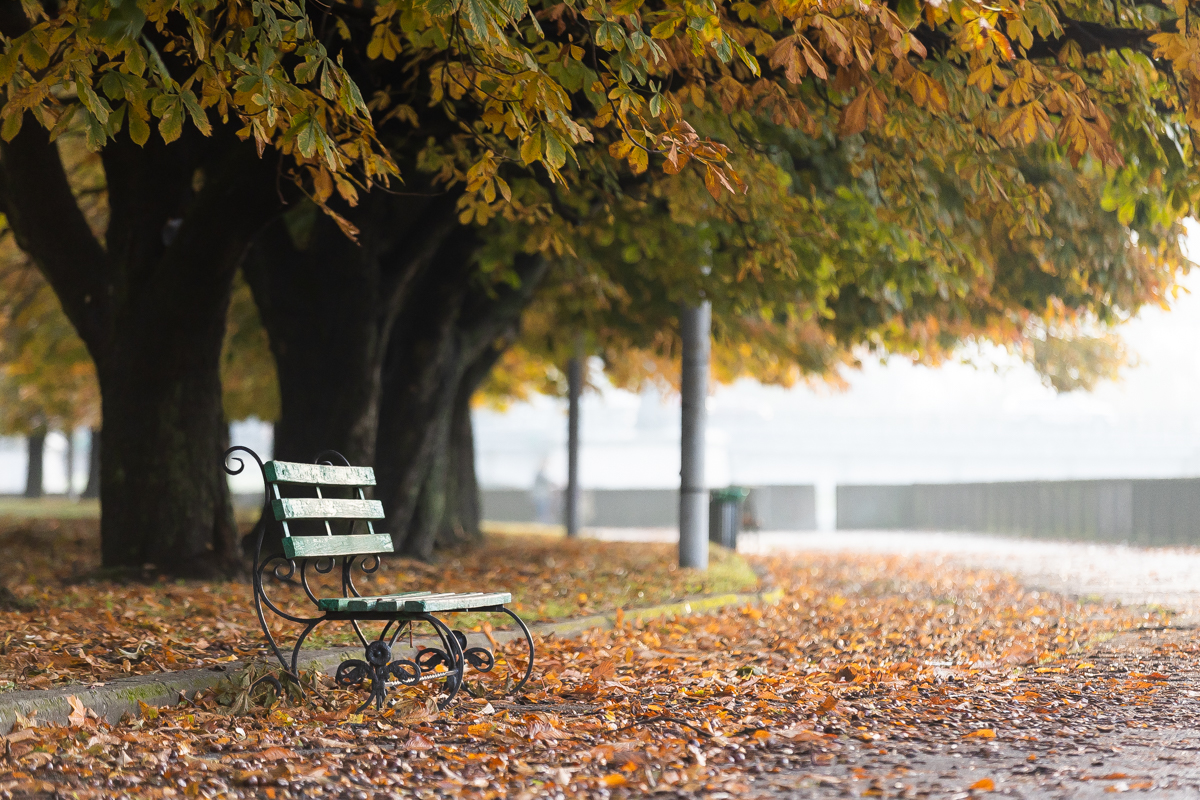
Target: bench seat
416 602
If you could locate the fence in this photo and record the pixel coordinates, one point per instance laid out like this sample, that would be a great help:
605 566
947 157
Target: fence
1155 512
780 508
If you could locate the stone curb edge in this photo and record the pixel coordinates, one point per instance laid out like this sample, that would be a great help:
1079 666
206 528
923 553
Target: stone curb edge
109 701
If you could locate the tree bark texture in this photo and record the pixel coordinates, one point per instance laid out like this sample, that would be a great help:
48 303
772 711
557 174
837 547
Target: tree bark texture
461 515
450 324
35 444
150 305
328 305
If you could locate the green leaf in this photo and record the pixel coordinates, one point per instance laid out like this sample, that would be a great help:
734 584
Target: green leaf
115 120
94 133
199 118
170 126
92 101
123 26
556 153
441 8
11 125
64 121
909 12
139 129
306 137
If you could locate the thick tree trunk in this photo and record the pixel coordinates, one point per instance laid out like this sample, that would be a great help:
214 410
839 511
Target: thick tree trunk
35 444
163 431
448 327
328 305
92 490
150 305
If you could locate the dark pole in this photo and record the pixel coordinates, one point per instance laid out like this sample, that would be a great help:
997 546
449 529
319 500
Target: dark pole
574 388
36 444
695 323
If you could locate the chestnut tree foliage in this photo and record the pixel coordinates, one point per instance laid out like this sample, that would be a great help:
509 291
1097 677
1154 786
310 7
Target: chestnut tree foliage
828 172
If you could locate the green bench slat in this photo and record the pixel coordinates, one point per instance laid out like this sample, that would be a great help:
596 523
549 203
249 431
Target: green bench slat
322 474
364 603
326 508
321 546
416 602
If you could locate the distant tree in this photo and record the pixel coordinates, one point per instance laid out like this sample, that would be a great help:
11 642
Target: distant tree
249 383
47 381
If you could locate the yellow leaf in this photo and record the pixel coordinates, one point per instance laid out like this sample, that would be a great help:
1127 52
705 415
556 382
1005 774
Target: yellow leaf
531 148
982 733
665 29
639 160
620 149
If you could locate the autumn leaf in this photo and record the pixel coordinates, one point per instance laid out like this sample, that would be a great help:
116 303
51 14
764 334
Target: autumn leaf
78 716
983 785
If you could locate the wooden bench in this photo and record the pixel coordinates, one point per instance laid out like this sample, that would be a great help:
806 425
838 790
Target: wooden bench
302 556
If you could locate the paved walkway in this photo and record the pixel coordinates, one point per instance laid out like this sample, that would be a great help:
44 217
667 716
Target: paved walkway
1147 747
1168 577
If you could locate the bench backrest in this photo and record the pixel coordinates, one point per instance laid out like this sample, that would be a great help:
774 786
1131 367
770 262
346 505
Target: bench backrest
326 509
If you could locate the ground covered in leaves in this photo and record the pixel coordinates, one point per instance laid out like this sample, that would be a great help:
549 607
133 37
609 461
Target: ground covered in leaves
869 666
60 625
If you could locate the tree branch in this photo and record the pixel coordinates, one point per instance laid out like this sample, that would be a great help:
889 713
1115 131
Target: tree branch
49 225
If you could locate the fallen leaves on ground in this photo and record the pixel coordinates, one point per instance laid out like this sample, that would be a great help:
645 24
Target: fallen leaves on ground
864 654
64 629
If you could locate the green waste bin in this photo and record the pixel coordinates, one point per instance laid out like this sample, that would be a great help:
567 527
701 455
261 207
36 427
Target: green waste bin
725 515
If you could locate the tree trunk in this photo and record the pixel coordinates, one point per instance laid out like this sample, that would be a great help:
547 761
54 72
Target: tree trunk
328 305
69 462
461 524
163 432
35 444
150 305
92 490
449 325
456 517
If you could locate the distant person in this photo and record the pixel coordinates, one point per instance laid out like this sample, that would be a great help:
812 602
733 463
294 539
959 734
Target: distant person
543 493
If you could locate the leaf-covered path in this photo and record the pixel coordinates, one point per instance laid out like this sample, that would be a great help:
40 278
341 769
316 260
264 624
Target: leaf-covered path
877 675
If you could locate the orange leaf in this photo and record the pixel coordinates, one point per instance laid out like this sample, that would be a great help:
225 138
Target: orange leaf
276 754
616 779
984 785
78 715
982 733
854 117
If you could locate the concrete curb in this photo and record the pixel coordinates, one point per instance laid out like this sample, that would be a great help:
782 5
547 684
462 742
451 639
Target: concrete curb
112 699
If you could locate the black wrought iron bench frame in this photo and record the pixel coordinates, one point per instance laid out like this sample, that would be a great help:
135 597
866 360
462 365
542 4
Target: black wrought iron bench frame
325 553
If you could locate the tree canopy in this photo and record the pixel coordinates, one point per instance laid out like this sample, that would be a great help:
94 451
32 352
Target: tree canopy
828 174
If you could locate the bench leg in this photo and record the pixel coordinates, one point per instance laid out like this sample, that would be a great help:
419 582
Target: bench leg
528 649
453 654
379 666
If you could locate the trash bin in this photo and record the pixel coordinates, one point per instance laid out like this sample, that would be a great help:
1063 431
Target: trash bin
725 515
